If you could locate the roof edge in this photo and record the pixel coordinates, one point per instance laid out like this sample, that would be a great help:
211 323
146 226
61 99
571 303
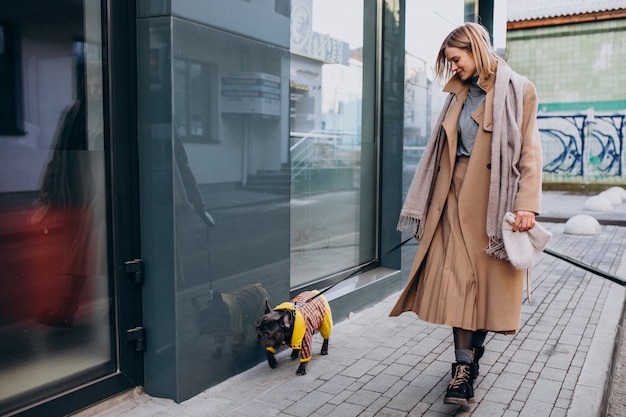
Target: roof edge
564 20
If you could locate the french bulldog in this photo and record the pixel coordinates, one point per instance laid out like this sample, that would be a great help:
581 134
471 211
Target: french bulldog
293 324
230 314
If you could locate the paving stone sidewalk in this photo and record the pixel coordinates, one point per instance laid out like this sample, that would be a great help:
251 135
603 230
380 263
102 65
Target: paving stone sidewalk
558 364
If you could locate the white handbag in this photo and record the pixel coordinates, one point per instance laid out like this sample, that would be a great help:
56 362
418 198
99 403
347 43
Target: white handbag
523 248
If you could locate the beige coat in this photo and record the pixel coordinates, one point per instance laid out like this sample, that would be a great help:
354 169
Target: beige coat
499 285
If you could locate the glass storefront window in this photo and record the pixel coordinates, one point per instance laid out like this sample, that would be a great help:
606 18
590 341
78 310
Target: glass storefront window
427 25
55 293
326 150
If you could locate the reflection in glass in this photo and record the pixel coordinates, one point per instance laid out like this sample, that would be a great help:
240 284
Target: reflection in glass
195 95
326 147
54 296
231 190
427 24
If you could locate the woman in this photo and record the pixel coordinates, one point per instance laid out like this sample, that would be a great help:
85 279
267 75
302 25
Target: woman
483 159
71 197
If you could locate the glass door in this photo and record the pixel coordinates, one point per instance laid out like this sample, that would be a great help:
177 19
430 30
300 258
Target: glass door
57 291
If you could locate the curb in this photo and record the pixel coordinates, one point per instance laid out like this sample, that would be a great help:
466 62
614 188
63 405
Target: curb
593 388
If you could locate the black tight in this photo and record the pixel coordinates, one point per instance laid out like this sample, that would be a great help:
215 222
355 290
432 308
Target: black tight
478 338
466 339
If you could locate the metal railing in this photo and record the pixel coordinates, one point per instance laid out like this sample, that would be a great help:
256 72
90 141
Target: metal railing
317 148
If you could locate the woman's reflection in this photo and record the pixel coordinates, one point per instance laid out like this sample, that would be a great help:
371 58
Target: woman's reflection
69 203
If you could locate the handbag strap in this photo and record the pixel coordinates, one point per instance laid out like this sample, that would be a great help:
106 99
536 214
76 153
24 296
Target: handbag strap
528 290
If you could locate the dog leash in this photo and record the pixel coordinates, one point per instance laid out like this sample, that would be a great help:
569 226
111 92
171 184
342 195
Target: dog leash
550 252
355 272
586 267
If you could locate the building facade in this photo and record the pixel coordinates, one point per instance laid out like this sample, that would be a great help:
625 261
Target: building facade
167 166
573 52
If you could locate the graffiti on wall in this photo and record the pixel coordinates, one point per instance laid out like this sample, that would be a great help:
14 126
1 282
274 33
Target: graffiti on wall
587 147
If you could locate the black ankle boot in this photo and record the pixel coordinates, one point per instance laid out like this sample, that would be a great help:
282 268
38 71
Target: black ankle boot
477 353
461 388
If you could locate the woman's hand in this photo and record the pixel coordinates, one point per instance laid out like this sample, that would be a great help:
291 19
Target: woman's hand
524 220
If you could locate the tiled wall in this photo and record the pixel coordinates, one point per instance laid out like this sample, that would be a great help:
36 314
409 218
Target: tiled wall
579 72
578 65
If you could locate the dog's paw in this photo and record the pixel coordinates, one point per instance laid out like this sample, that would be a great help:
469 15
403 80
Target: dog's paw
271 360
325 347
294 354
301 369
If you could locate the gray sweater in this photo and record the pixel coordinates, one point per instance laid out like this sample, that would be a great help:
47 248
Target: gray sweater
466 125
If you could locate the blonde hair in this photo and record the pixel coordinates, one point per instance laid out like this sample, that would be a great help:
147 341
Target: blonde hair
472 38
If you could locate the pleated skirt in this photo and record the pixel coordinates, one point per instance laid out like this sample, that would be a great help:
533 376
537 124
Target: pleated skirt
447 291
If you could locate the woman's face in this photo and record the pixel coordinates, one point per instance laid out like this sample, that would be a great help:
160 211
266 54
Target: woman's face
462 62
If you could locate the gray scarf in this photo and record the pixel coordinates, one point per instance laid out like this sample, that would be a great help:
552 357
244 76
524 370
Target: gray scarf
506 143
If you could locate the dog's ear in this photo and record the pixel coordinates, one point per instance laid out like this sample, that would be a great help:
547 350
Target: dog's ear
285 320
268 308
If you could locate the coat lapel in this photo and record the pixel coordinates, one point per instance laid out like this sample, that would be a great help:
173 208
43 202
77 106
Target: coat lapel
460 90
